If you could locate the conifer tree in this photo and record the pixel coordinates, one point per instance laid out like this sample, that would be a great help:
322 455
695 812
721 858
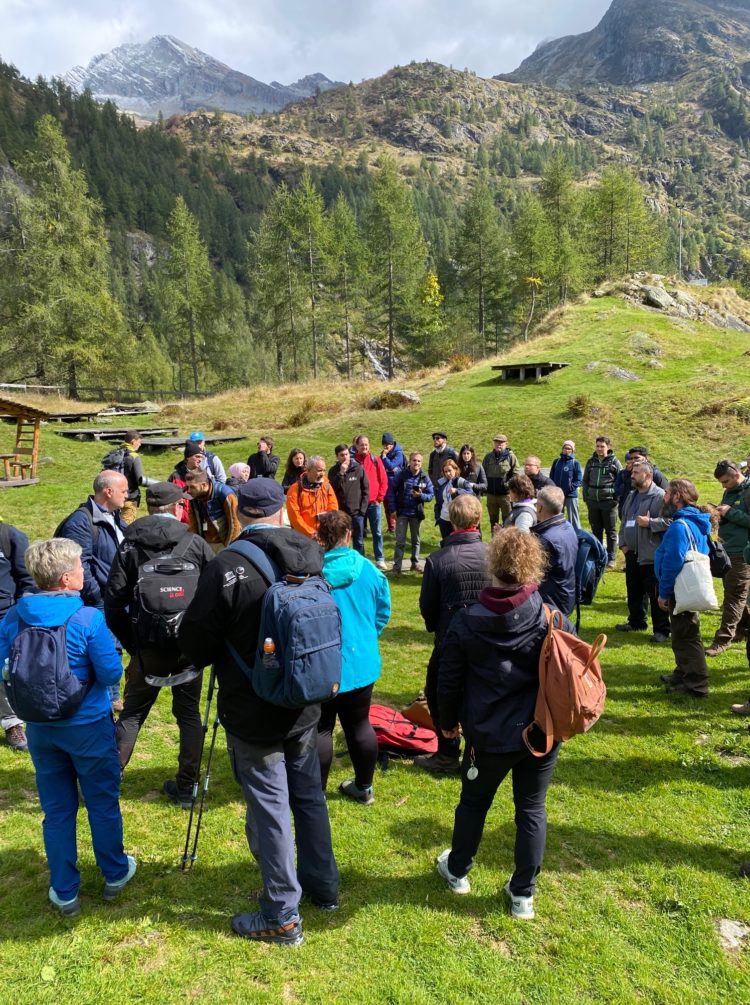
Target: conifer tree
310 234
347 272
623 234
480 256
558 197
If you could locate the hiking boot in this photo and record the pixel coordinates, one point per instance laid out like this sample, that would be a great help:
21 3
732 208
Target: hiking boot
68 908
716 650
112 889
438 764
322 905
253 926
417 566
182 797
396 570
520 907
351 790
16 739
682 689
668 678
627 627
658 637
456 884
742 709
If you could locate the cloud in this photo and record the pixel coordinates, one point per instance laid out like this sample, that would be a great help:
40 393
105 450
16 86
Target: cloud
345 39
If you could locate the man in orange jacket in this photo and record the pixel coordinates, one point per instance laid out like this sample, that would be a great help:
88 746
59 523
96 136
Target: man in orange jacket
378 481
310 496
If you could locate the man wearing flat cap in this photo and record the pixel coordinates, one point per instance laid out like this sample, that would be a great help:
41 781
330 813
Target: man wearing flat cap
159 534
273 750
439 455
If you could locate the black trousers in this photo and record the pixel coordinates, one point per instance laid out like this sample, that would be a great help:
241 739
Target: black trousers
531 778
603 522
689 655
642 590
140 696
450 748
353 711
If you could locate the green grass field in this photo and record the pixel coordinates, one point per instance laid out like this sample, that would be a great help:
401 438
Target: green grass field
649 815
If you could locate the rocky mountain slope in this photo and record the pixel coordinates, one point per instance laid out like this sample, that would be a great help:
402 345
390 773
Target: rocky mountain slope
641 41
166 75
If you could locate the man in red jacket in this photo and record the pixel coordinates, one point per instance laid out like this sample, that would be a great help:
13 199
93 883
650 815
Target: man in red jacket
378 481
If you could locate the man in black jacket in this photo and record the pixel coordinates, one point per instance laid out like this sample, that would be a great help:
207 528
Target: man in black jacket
453 577
273 750
159 533
14 582
264 462
349 481
560 541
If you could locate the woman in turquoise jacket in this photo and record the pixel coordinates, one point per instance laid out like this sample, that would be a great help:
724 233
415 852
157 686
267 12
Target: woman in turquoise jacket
362 595
79 749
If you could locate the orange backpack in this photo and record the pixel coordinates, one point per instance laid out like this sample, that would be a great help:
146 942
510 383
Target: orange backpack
571 688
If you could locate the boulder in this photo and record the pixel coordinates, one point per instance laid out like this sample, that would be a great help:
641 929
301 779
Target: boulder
392 398
619 373
656 296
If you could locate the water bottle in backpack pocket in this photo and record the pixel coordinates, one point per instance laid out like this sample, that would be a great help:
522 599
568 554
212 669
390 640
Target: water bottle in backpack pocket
40 684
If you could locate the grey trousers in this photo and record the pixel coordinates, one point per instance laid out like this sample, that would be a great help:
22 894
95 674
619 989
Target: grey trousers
278 778
413 525
8 717
571 512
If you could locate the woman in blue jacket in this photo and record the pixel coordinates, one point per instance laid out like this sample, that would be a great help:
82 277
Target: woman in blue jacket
80 749
362 595
689 530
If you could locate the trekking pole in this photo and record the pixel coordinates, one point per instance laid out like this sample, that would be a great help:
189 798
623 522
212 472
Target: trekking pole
196 783
204 790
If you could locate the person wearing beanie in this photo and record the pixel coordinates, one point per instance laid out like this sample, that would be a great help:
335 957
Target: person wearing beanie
212 462
392 456
567 474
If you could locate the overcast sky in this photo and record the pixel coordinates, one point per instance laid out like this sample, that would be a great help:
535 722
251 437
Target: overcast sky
286 39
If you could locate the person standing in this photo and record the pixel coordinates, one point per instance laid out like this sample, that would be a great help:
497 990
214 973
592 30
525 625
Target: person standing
296 465
363 597
309 496
623 485
212 462
567 475
471 470
213 509
688 531
132 468
152 667
349 482
532 468
641 532
453 579
522 504
599 495
264 463
560 542
378 482
734 513
273 751
488 682
14 582
439 454
413 489
78 750
448 487
500 464
392 456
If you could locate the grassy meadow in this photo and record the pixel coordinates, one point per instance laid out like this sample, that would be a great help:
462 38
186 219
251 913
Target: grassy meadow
649 814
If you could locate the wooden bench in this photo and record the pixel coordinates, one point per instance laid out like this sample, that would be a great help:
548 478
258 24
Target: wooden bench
14 461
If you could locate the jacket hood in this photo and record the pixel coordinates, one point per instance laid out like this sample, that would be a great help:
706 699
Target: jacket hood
48 609
293 552
514 619
156 532
459 537
342 566
692 515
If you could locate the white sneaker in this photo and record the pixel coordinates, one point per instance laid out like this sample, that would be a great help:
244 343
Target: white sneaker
382 565
457 884
520 907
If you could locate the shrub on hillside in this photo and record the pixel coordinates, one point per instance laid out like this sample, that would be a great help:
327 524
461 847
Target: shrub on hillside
459 361
580 406
306 410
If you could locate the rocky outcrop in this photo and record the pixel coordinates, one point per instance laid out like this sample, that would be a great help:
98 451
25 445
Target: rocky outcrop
669 298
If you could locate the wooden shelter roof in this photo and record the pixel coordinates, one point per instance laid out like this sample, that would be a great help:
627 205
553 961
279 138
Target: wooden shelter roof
21 411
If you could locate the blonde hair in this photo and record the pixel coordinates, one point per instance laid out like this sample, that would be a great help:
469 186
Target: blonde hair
465 511
48 561
516 557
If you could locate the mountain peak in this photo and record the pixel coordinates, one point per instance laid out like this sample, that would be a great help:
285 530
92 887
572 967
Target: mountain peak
166 75
642 41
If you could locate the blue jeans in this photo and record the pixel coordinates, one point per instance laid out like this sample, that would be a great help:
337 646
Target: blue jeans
275 778
373 518
64 756
358 533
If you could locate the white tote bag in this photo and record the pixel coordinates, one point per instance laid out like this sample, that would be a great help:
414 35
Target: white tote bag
694 586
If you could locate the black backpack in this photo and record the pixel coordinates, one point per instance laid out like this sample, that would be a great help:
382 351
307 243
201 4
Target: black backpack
166 585
115 460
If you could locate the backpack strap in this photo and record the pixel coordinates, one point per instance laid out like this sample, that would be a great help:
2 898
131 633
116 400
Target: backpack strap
6 543
182 546
258 559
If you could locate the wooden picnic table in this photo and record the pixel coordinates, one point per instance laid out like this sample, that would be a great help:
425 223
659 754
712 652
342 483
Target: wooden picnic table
114 433
165 442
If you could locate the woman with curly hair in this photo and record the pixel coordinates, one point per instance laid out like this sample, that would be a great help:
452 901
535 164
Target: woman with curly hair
488 682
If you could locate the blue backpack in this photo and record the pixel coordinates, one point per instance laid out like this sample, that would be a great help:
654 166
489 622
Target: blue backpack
40 684
302 618
591 561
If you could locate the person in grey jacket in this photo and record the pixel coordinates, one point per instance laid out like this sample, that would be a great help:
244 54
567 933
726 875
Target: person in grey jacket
641 532
522 504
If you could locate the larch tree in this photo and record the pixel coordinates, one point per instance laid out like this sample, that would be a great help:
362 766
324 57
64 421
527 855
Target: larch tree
347 273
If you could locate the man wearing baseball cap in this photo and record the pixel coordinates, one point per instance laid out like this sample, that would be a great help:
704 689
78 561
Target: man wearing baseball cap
273 750
151 668
500 464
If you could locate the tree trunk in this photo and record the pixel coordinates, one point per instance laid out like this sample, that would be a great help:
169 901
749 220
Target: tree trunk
72 380
391 317
531 315
313 319
347 344
292 326
193 348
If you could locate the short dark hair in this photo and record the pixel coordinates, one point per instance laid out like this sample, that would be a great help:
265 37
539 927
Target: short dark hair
724 467
603 439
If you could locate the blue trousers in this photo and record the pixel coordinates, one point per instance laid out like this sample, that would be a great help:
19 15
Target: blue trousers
372 516
275 779
63 756
358 533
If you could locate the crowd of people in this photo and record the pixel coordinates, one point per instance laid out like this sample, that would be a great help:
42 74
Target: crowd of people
485 603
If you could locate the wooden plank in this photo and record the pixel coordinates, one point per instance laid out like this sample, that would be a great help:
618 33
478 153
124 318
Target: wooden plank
17 483
165 442
115 433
